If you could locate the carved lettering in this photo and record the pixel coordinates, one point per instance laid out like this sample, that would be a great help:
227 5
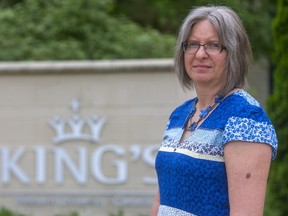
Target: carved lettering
10 165
120 165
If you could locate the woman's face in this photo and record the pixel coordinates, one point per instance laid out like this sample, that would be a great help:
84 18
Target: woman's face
201 67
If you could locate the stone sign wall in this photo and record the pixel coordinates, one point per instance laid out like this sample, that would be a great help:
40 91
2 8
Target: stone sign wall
82 136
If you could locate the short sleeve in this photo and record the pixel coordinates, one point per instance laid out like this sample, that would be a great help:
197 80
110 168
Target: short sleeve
250 130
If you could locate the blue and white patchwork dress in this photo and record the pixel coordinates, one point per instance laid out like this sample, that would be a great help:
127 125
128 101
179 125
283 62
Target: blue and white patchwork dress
191 175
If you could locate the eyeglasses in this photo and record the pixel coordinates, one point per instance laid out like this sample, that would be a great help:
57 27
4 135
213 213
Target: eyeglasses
212 48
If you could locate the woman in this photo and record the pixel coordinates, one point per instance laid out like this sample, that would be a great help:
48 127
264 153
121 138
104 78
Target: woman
217 147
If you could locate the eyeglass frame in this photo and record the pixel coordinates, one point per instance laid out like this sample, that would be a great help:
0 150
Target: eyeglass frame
184 46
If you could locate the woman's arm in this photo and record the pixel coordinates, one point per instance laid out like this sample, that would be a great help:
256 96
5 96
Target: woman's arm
155 204
247 166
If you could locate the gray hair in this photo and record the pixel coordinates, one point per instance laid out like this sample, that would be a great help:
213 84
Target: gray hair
232 35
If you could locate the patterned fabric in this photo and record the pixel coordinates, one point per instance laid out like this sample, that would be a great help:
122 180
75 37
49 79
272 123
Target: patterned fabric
191 175
166 210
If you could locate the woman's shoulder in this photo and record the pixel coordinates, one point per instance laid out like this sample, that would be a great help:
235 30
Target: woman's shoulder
241 106
241 96
241 102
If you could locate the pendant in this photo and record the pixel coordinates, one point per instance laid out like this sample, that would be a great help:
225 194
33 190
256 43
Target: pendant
205 112
193 126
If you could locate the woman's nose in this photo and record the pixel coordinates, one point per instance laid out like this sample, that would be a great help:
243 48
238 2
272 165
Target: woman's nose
201 52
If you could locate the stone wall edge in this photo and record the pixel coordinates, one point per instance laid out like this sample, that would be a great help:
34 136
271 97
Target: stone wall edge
93 66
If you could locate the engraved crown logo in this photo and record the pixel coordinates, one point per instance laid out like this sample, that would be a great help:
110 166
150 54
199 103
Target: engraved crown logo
77 128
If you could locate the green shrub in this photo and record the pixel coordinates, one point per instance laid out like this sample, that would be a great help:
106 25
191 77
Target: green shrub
59 30
6 212
277 194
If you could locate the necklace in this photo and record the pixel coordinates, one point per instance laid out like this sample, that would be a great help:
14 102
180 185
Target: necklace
203 113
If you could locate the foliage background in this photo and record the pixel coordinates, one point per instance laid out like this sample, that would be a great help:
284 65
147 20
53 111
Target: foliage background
111 29
277 108
126 29
59 30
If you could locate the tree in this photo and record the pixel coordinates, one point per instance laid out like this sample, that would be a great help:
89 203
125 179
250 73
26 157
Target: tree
167 16
277 107
101 29
58 30
9 3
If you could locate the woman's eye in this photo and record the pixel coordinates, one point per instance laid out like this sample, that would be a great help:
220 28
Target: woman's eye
214 46
193 45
